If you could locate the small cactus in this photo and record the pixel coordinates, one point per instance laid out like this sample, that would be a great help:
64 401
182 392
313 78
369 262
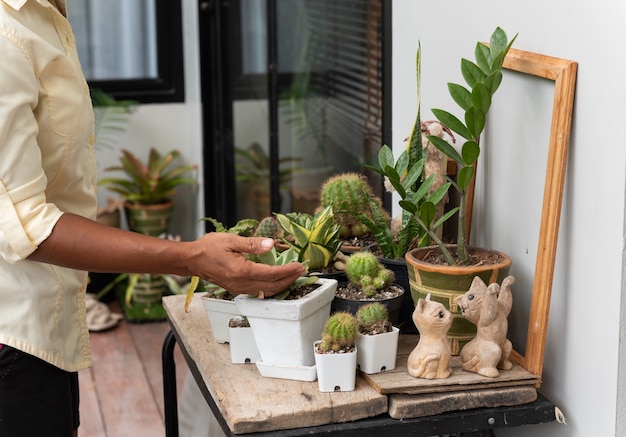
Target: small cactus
349 194
339 332
373 318
268 227
364 270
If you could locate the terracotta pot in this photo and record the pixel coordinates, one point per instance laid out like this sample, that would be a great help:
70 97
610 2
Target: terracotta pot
149 290
149 219
445 283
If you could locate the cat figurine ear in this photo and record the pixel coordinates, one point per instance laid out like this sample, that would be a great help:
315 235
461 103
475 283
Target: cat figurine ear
488 308
430 359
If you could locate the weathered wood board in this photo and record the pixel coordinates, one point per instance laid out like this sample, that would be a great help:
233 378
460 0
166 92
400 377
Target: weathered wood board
252 403
399 380
411 406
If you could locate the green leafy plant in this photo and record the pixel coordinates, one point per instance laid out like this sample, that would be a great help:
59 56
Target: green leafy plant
110 117
314 238
365 271
150 183
483 78
339 333
254 166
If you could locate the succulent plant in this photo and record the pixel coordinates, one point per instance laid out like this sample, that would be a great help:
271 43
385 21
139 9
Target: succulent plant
315 239
371 313
349 194
339 332
267 227
364 270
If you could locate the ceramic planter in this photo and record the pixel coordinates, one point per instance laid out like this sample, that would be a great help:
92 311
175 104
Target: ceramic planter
149 219
352 306
218 312
445 283
377 353
242 345
336 371
285 329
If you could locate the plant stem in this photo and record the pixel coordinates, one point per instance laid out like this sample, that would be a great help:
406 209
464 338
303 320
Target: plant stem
461 248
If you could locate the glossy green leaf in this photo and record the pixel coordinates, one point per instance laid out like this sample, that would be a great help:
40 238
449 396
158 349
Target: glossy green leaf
461 95
465 177
470 152
475 120
452 122
471 72
446 148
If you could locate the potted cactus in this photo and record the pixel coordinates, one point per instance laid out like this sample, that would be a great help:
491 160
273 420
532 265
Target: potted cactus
368 281
377 339
349 195
336 353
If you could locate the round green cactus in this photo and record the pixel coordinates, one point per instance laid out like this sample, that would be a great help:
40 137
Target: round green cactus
349 194
340 332
371 313
364 270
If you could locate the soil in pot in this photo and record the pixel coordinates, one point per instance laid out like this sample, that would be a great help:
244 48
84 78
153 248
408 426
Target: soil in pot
350 298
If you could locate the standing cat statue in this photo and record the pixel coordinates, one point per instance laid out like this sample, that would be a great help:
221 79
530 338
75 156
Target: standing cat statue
488 308
431 357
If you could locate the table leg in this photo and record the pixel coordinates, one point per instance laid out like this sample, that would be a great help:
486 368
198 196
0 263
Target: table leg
169 386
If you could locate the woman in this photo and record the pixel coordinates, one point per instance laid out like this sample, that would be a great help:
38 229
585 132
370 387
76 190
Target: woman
48 239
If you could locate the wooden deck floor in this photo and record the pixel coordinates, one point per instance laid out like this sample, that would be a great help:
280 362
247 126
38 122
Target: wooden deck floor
122 394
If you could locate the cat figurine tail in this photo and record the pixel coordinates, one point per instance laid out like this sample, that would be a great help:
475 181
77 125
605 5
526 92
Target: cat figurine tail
431 357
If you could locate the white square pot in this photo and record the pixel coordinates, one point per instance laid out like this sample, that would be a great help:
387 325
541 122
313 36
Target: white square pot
284 330
336 371
218 312
242 345
377 353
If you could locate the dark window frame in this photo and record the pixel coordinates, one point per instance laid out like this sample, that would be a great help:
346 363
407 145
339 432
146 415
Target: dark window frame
169 85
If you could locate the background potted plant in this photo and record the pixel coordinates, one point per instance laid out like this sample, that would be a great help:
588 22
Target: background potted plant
148 188
377 339
443 268
336 353
368 281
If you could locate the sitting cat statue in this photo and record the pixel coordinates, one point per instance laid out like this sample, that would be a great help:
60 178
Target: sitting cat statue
488 308
431 357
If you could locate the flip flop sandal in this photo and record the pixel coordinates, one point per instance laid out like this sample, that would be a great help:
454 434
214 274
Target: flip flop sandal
99 317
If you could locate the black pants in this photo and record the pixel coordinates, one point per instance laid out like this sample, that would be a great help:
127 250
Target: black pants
37 399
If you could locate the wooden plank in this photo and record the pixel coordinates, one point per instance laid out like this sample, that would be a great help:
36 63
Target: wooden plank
91 424
399 380
252 403
410 406
126 403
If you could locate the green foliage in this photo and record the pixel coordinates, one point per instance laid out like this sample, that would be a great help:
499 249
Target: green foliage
267 227
254 166
349 195
371 314
244 227
364 270
483 78
150 183
275 258
339 332
314 238
110 117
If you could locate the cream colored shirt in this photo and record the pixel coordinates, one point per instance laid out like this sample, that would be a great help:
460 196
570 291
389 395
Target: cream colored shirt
47 167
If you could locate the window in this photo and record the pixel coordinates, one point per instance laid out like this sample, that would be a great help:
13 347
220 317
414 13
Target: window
132 49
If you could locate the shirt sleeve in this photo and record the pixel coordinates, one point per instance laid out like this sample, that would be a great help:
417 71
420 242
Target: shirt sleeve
26 219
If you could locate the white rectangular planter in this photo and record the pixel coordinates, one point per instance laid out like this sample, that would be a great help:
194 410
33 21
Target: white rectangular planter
336 371
377 353
284 330
218 312
242 345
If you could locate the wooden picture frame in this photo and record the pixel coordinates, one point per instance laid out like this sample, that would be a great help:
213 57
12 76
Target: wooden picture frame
563 73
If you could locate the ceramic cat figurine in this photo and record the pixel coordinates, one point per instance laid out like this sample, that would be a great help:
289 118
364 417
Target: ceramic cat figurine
488 308
431 357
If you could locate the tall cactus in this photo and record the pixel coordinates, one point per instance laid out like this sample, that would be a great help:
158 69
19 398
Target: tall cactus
364 270
349 194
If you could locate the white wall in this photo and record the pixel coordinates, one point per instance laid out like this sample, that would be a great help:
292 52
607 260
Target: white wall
581 362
